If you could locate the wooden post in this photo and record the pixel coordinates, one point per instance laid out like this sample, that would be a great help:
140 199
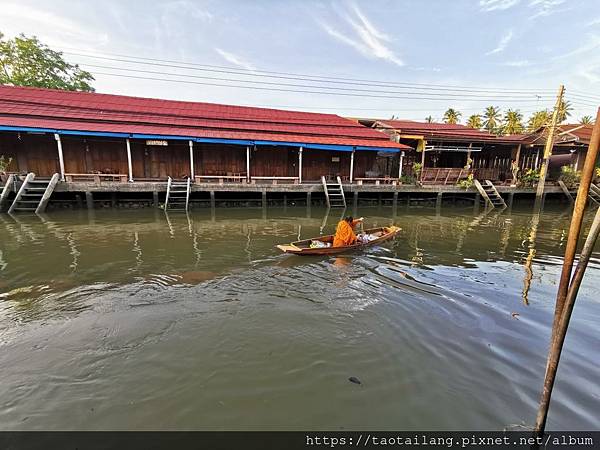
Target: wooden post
422 143
564 294
212 199
300 165
549 144
355 201
248 164
192 175
155 198
129 166
61 160
351 166
515 170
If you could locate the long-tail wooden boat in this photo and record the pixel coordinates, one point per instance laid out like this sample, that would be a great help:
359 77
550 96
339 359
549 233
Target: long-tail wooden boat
304 247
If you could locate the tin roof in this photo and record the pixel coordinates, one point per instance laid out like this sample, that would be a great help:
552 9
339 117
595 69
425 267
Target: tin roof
81 112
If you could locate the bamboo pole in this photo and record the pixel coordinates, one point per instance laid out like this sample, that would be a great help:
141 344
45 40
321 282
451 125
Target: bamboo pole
567 289
549 144
577 219
563 325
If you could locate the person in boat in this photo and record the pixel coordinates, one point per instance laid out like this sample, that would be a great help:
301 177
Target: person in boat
344 234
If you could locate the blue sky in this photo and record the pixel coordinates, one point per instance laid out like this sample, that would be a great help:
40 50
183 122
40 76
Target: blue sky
488 44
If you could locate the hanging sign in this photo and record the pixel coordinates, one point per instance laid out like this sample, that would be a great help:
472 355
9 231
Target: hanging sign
159 143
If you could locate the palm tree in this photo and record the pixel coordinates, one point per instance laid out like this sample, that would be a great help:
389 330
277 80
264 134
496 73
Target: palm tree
452 116
564 110
513 122
537 120
492 118
429 119
474 121
586 120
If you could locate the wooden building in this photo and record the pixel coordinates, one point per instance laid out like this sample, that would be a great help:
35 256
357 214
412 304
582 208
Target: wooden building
445 149
120 139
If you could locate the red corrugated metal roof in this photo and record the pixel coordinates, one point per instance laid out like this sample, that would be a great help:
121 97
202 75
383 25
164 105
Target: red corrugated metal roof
583 133
82 111
448 132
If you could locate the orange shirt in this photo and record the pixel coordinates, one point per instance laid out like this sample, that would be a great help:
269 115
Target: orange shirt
344 235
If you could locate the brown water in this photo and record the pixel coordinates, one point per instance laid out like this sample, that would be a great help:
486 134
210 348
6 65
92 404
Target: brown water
135 320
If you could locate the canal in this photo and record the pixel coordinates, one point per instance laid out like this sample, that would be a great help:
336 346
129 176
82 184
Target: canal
135 320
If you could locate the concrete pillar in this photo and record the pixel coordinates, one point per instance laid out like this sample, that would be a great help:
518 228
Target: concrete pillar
351 166
212 199
300 165
395 204
264 198
61 160
192 174
438 202
476 203
79 201
284 202
400 164
511 198
113 199
355 201
248 164
155 198
89 200
308 203
129 165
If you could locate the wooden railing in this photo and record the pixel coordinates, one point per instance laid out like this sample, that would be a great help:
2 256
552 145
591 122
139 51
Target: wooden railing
443 175
94 177
377 181
220 179
275 180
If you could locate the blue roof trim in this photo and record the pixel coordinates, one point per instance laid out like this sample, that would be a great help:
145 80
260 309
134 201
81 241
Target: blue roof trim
332 147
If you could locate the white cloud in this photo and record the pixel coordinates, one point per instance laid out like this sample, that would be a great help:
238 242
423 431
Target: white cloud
502 44
36 21
594 22
235 60
497 5
368 40
517 63
545 7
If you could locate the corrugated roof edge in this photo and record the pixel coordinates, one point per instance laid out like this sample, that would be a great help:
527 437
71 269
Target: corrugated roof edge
308 145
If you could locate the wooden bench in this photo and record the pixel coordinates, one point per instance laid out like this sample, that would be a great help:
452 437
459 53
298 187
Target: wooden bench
96 178
276 180
377 181
220 179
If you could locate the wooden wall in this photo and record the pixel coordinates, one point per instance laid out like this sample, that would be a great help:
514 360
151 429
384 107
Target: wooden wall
30 152
219 159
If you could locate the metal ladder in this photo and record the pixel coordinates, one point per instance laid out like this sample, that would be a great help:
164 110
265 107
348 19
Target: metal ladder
490 194
34 194
334 193
178 195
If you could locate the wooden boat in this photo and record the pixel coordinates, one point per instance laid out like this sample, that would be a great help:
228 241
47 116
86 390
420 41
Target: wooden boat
304 248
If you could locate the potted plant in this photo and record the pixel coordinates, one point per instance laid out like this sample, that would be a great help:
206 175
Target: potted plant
466 183
569 176
530 178
4 164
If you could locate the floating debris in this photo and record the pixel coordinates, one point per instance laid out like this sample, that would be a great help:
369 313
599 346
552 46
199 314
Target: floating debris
354 380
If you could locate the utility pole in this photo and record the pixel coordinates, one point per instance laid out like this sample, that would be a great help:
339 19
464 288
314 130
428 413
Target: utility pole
549 145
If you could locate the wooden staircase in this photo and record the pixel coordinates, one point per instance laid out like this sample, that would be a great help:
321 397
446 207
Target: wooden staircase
34 194
334 193
490 194
178 195
594 193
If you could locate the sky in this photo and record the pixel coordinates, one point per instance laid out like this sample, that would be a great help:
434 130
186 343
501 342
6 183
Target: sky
413 58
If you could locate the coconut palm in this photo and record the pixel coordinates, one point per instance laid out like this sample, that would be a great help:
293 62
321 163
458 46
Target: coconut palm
452 116
513 122
586 120
492 118
564 110
429 119
538 119
474 121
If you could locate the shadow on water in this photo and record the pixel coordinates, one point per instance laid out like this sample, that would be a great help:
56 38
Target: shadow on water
230 334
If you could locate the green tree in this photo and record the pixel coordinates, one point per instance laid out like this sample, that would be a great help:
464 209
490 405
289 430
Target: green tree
429 119
564 110
452 116
586 120
513 122
475 121
492 119
25 61
538 119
